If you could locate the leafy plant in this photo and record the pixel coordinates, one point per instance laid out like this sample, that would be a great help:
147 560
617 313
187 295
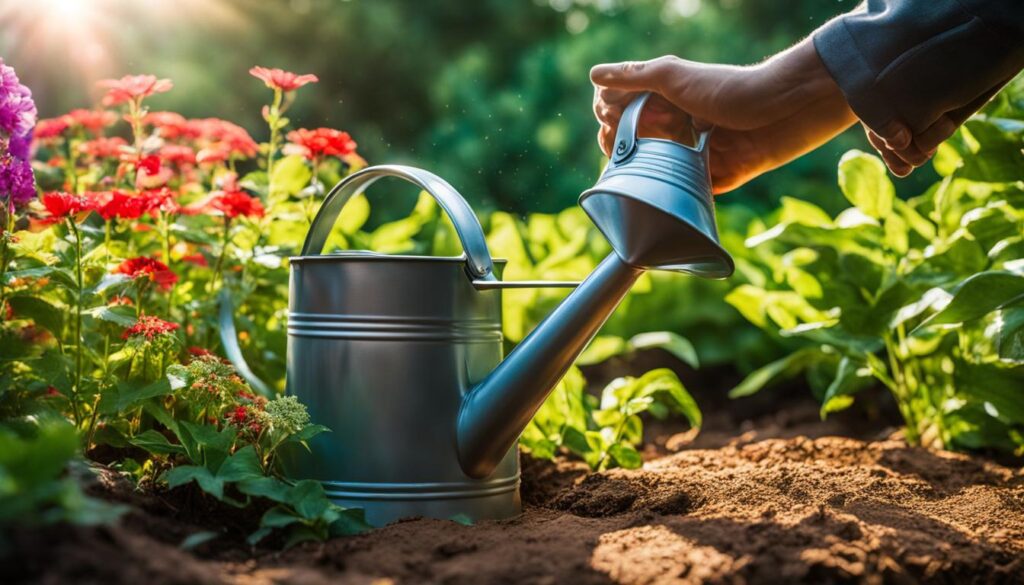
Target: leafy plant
924 296
36 486
605 431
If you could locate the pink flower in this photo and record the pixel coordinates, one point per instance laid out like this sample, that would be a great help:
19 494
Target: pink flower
133 88
282 80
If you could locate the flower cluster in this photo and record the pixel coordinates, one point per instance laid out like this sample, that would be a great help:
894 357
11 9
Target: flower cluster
321 142
149 327
133 88
287 415
150 269
17 117
17 109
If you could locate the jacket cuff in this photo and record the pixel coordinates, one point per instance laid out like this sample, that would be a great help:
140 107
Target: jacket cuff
856 79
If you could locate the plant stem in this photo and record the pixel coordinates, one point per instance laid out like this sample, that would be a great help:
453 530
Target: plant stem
165 232
78 322
8 226
220 258
275 115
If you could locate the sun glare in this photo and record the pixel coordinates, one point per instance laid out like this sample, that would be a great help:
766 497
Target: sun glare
92 39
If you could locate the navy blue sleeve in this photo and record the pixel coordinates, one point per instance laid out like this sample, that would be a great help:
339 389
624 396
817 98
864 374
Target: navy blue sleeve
916 60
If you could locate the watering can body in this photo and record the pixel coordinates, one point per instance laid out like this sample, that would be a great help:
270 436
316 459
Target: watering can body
383 350
401 356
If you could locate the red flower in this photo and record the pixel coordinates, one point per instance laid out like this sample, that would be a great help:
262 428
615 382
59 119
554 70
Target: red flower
160 200
143 267
222 140
92 120
171 125
282 80
196 351
174 154
149 327
235 203
119 301
322 142
104 147
149 164
133 88
50 128
197 259
62 205
111 204
52 392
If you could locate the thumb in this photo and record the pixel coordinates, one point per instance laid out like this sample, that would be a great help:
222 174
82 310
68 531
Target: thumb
631 75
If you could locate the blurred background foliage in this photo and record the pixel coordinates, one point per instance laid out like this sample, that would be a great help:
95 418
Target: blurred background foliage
491 94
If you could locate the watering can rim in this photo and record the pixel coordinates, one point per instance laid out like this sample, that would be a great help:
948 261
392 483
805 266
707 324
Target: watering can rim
368 256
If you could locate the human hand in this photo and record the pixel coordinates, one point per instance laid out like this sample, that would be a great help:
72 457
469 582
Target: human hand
764 115
902 151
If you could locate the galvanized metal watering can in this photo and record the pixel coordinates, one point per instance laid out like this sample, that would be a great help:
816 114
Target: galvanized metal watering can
401 356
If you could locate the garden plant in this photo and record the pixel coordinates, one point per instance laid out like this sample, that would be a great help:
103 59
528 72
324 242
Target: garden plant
123 227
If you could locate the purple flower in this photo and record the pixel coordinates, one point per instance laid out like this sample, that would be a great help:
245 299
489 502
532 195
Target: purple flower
17 181
20 146
17 110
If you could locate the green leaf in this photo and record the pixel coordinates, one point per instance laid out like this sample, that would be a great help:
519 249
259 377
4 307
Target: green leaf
197 539
602 348
241 465
979 295
625 455
673 343
308 499
354 215
266 487
128 394
852 376
1001 387
278 517
156 443
780 369
184 474
43 313
864 182
291 175
118 315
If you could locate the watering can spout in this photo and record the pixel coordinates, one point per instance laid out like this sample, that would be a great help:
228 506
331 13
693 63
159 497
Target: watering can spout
496 411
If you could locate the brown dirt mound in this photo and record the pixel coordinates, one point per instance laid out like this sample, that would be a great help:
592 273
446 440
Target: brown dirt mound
776 510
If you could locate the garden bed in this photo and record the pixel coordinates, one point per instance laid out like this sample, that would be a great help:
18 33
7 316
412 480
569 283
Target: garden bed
783 497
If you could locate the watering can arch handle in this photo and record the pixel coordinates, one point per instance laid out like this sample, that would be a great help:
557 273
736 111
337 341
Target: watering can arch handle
478 258
629 124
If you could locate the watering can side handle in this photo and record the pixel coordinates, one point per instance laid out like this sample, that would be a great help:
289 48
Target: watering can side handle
626 133
478 258
229 339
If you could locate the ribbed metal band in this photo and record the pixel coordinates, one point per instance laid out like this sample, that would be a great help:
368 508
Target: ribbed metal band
392 328
689 175
344 490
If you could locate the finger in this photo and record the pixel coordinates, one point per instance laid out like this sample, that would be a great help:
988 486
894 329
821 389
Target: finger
634 75
896 165
605 137
895 134
911 155
940 130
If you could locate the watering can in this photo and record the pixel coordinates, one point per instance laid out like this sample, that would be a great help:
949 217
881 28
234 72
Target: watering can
401 356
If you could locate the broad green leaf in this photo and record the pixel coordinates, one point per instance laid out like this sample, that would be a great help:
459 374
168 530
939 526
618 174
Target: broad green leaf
43 313
852 376
156 443
278 517
979 295
1010 334
241 465
864 182
1000 387
780 369
271 488
626 456
354 215
197 539
602 348
291 174
128 394
673 343
803 212
308 499
184 474
118 315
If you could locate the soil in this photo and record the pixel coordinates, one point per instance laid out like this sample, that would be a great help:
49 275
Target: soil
754 498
